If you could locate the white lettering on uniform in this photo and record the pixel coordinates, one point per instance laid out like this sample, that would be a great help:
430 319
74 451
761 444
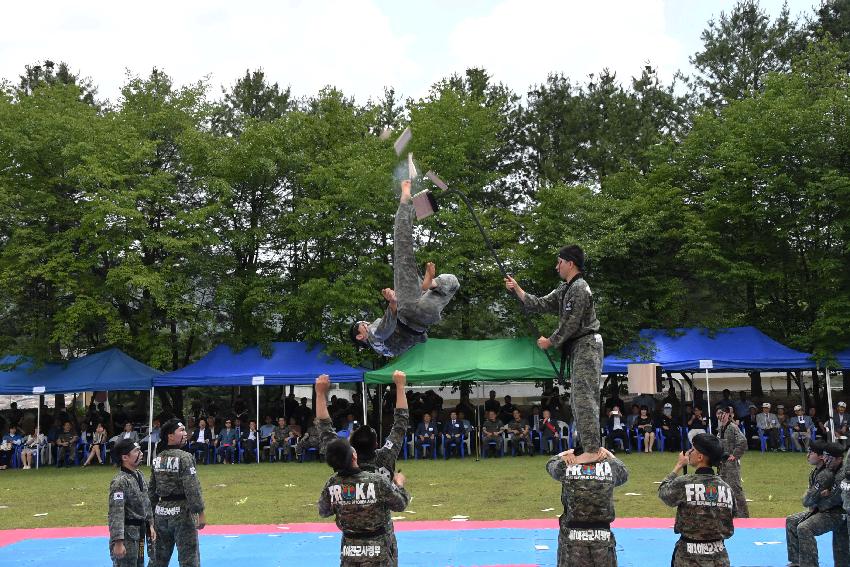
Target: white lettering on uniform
165 511
706 547
361 550
712 496
590 535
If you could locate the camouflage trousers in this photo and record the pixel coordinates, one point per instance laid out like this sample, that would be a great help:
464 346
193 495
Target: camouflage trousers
309 443
376 552
134 557
585 373
730 471
800 532
695 555
572 554
417 309
175 529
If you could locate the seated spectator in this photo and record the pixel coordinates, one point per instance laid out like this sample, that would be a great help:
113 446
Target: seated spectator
492 404
65 443
536 419
250 439
769 425
9 444
153 436
616 426
266 430
98 444
212 427
519 434
32 445
201 439
784 428
191 426
697 421
742 405
282 437
841 423
491 434
226 441
550 434
129 433
312 439
634 414
646 427
426 435
670 430
801 429
350 424
295 427
453 435
821 431
85 434
751 430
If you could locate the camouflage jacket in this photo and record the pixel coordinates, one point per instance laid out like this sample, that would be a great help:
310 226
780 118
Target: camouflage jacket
732 440
388 338
384 461
588 488
128 500
325 432
573 302
842 480
173 474
361 501
822 479
704 504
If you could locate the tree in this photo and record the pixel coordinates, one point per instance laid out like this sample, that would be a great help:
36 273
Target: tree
740 49
251 98
48 74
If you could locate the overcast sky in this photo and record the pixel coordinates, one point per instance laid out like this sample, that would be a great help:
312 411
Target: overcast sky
360 46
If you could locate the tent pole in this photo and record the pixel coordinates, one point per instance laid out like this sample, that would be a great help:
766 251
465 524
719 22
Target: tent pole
477 429
38 427
829 401
365 393
150 425
803 393
258 425
707 401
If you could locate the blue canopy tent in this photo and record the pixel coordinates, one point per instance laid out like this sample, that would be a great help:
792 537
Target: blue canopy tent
728 349
843 359
288 363
107 370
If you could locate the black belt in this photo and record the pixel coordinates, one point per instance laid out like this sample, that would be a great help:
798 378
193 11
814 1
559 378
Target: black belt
410 330
366 535
589 525
173 498
139 523
689 540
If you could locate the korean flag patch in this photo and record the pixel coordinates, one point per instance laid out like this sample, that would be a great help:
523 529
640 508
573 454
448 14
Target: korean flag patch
191 470
118 496
388 444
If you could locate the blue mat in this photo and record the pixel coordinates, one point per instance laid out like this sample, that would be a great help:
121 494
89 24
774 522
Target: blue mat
426 548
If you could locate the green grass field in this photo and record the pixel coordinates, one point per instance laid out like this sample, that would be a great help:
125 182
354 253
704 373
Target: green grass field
492 489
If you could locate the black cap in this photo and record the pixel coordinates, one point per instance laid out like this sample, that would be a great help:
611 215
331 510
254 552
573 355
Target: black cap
169 427
121 448
818 446
835 449
573 253
709 446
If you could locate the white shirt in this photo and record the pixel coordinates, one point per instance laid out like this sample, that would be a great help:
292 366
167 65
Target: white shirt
201 435
127 434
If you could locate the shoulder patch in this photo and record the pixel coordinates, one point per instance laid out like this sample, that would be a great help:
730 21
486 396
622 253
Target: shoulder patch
118 496
388 444
191 470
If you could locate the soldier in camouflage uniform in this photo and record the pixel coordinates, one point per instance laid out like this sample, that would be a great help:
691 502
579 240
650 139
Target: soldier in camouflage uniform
587 485
312 439
734 444
362 502
130 517
280 438
175 494
705 506
577 336
415 304
491 434
825 512
842 480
